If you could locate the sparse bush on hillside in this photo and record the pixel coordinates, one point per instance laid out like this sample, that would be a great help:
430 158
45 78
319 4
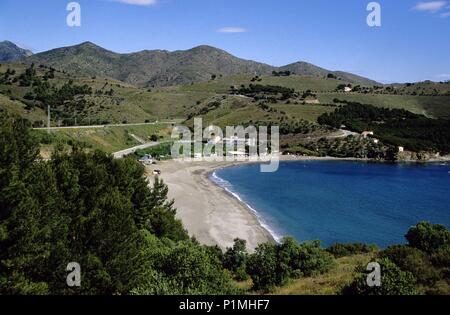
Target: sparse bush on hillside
274 264
394 281
421 266
396 127
341 250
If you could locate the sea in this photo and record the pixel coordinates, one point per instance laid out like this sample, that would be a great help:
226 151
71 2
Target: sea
342 201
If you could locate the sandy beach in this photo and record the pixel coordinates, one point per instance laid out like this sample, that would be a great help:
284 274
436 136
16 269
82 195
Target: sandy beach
208 212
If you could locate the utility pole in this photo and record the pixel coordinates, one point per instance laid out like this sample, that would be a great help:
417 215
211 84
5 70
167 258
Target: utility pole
48 120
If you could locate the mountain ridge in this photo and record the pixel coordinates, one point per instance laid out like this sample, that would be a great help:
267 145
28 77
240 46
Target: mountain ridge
159 68
10 52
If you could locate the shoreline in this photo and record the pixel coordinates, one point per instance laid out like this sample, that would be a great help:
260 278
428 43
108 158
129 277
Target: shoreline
235 195
215 215
211 213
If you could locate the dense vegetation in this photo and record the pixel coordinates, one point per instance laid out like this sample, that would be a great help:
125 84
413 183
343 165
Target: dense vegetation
68 98
339 250
160 152
281 73
97 211
265 92
352 147
274 265
420 267
397 127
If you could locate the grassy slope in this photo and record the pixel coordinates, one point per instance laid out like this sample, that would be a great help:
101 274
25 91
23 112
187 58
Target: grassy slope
135 105
329 283
306 112
111 139
128 103
432 106
222 85
18 108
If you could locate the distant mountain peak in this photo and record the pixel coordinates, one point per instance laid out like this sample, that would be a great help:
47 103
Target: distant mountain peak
206 47
88 44
10 52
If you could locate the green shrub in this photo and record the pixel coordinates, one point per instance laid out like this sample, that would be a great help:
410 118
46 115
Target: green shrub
428 237
340 250
274 264
235 259
393 282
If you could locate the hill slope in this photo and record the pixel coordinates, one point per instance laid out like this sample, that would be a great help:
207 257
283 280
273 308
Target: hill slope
307 69
153 68
11 52
149 68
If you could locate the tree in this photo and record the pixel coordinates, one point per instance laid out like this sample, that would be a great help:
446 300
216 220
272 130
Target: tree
428 237
412 260
262 267
98 211
274 264
161 219
313 260
235 259
339 250
393 282
195 271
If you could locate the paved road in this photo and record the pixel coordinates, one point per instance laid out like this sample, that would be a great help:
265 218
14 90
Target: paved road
342 133
121 154
138 139
105 126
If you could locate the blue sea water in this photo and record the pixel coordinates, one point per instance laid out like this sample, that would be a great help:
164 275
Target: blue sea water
340 201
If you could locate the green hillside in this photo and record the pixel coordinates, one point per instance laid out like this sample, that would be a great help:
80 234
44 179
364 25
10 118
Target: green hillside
115 102
107 101
308 69
153 68
108 139
148 68
434 106
290 101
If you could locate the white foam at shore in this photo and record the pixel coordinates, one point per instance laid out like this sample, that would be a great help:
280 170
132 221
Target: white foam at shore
226 185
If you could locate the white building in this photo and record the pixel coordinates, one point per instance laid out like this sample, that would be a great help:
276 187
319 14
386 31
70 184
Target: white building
146 159
365 134
214 140
236 141
236 153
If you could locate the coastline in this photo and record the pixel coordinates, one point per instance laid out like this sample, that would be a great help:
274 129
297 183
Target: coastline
211 213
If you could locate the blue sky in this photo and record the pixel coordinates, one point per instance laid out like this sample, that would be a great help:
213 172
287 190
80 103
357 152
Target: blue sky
412 44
